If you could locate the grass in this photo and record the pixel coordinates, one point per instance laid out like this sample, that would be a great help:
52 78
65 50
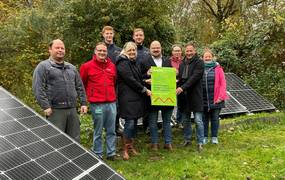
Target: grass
250 147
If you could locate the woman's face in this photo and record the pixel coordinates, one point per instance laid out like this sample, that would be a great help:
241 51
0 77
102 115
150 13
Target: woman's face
132 53
207 57
177 52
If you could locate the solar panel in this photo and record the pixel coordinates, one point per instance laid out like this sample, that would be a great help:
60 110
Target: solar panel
243 99
32 148
232 106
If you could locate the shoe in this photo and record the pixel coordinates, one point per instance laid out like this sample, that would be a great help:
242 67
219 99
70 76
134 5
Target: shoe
111 158
199 147
132 148
215 140
185 144
205 140
154 147
168 147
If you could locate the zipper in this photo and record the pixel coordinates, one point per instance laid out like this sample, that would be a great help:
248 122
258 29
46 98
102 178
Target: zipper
206 78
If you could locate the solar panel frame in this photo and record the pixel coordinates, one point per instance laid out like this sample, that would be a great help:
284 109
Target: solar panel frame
24 134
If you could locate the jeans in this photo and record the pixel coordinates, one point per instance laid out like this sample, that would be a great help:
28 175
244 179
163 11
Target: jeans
130 128
166 118
104 116
186 118
213 116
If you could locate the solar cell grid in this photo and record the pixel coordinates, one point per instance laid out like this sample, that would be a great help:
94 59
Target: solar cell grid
252 100
32 148
235 83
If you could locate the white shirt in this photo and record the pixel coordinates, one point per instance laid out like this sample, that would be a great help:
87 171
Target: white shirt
157 61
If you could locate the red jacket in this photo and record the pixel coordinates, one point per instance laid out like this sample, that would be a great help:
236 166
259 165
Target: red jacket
99 79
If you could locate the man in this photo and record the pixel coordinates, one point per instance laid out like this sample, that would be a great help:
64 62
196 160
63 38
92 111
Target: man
56 85
99 79
156 59
113 50
142 52
190 94
142 55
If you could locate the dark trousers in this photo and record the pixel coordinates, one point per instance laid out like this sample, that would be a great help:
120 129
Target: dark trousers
66 120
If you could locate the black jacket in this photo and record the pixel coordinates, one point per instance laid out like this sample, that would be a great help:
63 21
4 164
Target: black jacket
143 54
113 52
131 90
145 66
190 80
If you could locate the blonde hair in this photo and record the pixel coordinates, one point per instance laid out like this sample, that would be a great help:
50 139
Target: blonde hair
107 28
137 29
208 50
128 46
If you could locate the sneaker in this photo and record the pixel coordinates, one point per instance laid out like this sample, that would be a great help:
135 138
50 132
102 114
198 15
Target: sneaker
215 140
199 147
185 143
205 140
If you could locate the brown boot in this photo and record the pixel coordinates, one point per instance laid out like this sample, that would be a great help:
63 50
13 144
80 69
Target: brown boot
126 148
168 147
154 147
132 148
125 152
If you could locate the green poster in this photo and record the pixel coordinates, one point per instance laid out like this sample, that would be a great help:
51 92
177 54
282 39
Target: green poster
163 86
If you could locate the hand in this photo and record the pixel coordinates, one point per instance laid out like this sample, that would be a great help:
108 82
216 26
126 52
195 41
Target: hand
148 81
148 92
48 112
149 72
83 109
179 90
218 101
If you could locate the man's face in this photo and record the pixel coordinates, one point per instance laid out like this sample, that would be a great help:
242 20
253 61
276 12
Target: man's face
57 50
108 36
138 37
190 52
101 52
177 52
155 49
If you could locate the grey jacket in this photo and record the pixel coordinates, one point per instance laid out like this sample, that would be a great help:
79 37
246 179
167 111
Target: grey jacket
56 86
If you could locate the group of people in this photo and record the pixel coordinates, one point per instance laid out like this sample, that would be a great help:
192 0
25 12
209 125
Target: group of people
117 84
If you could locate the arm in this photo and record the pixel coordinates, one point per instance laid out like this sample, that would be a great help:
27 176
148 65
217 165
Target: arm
124 71
223 86
40 87
80 89
84 75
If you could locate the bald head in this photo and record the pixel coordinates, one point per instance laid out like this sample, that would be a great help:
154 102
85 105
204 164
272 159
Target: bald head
57 50
155 49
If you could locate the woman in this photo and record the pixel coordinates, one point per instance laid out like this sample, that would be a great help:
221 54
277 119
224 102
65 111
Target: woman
131 93
214 95
176 60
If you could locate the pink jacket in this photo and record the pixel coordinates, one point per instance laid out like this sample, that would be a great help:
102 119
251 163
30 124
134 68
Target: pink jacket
220 87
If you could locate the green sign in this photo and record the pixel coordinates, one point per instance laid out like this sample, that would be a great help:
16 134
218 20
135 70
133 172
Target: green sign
163 86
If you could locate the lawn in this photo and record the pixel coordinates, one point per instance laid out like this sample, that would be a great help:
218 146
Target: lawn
250 147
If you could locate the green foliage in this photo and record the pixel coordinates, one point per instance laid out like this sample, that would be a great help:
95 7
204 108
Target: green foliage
24 38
